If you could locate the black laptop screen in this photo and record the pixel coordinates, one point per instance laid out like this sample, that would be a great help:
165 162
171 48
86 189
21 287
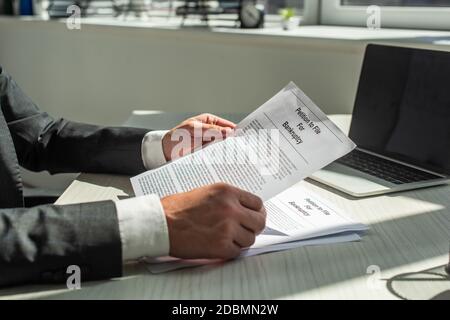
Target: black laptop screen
402 108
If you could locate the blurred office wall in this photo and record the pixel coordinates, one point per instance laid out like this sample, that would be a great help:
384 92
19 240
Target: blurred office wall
101 73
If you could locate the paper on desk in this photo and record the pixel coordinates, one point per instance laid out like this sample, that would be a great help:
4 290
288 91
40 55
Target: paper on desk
166 264
282 142
295 218
298 214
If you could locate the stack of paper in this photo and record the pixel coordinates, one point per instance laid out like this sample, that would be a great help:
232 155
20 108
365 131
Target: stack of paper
281 143
295 218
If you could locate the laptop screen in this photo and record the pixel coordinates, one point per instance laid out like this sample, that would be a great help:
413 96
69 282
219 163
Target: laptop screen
402 108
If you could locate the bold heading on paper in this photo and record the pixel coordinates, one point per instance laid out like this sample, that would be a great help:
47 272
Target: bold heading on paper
294 131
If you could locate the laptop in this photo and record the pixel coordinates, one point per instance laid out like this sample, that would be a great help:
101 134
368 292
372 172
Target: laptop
401 124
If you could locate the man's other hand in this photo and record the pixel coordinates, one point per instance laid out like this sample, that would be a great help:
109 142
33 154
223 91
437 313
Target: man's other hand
213 222
193 133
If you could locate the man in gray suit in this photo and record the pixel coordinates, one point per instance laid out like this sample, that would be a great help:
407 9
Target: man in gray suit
38 244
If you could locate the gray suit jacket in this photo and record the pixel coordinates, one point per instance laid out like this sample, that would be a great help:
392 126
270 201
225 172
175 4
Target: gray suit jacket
38 244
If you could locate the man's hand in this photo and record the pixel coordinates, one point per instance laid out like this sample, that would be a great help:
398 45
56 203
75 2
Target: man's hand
213 222
193 133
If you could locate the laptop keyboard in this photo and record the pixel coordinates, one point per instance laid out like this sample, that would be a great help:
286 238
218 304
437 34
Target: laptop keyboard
384 169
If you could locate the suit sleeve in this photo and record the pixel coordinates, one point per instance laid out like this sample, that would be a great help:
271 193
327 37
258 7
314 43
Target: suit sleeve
38 244
58 145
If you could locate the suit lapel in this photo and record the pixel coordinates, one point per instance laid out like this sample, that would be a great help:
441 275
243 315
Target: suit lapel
11 189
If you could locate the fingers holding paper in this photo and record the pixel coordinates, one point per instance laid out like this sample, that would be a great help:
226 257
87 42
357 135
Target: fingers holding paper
194 133
208 118
212 223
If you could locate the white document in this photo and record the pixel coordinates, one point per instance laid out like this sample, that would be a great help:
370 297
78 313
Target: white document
295 218
298 214
166 264
282 142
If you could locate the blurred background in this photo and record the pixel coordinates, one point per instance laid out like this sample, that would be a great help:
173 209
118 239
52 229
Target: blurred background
97 61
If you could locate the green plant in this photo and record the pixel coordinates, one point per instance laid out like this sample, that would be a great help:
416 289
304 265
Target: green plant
287 13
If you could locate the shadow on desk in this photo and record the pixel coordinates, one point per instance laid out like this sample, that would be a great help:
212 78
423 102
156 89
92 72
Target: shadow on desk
393 195
106 180
420 233
283 274
399 284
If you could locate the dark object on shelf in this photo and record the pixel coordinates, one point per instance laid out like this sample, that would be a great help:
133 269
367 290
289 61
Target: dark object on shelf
58 8
6 7
137 7
26 8
249 14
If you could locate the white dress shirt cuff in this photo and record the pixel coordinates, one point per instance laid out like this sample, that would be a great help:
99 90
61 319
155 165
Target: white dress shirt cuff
143 228
152 149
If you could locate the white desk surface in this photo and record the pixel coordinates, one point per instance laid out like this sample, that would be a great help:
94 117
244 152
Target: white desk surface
408 241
